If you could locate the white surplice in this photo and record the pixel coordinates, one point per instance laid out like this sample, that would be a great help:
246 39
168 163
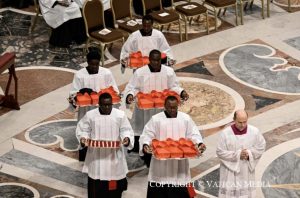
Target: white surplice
145 81
105 163
137 42
56 16
237 177
96 82
106 3
160 127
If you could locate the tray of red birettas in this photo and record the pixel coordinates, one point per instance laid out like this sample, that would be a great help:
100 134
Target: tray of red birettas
174 149
137 60
154 99
92 99
103 144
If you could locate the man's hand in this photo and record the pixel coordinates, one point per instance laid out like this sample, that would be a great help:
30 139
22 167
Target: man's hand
129 99
126 141
244 155
147 149
72 101
83 142
201 148
124 61
184 95
171 62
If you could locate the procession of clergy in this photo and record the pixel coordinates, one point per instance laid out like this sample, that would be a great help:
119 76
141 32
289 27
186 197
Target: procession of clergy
239 148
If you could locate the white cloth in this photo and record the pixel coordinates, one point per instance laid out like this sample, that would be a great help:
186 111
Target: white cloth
106 3
96 82
145 81
56 16
237 177
160 127
137 42
105 163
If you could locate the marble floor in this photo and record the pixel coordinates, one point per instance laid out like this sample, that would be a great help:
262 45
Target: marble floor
255 66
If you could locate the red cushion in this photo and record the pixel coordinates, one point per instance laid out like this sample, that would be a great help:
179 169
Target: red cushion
5 58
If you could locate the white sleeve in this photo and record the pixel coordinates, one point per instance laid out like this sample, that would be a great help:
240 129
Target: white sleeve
126 131
133 86
148 135
173 83
230 159
76 85
84 128
256 151
127 47
164 46
112 82
193 132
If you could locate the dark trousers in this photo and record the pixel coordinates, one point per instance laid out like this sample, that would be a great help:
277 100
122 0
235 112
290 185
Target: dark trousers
163 191
72 30
100 189
82 153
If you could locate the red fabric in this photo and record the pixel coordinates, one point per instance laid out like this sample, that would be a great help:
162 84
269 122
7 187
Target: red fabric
112 185
191 190
5 58
236 131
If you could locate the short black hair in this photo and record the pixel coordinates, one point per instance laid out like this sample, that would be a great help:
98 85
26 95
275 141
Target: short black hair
155 51
171 98
93 55
104 96
147 17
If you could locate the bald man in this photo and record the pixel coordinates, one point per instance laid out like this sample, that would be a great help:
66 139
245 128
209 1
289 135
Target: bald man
239 148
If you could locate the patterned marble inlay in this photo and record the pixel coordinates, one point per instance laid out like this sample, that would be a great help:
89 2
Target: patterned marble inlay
45 167
33 48
294 42
255 66
198 67
207 104
134 161
15 190
51 133
14 187
261 102
283 176
209 183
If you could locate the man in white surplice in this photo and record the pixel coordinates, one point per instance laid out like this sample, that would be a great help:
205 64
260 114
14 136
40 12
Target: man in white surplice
92 77
154 76
88 79
66 20
145 40
239 148
169 124
106 167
